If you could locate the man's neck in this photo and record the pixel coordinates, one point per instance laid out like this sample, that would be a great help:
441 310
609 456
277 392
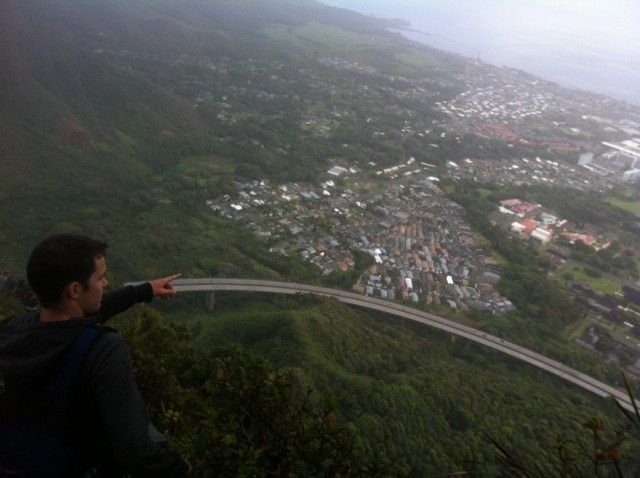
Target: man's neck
59 315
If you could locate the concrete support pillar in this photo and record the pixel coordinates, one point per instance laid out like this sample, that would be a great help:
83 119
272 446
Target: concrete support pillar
211 298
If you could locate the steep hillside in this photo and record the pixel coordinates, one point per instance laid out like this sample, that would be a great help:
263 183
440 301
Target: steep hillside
96 134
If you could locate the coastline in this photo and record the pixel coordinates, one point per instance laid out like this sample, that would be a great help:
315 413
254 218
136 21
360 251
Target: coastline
558 53
422 37
411 30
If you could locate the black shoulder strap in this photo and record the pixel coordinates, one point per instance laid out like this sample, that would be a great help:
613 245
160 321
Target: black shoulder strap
62 383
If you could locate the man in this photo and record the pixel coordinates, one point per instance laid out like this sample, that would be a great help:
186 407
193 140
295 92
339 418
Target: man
71 402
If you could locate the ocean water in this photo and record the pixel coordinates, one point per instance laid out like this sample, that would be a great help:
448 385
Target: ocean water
585 44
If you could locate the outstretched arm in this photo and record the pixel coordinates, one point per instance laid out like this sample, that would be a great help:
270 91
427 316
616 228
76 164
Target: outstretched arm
120 300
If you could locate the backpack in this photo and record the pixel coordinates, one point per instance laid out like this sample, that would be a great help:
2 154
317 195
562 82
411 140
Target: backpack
39 442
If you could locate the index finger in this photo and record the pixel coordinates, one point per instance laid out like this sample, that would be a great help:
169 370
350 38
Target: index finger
172 278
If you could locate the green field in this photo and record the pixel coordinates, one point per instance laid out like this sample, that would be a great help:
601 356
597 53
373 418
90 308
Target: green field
314 33
418 59
631 206
600 284
576 329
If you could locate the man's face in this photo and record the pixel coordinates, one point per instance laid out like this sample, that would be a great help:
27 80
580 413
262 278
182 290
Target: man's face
91 295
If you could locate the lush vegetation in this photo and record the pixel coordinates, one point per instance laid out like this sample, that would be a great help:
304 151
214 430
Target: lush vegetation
614 259
416 401
231 413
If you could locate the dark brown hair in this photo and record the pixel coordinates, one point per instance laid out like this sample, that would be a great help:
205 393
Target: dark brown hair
59 260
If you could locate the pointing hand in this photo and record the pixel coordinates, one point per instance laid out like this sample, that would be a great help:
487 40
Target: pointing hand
162 287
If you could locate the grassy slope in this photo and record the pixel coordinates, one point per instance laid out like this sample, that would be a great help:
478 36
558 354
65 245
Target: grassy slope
124 180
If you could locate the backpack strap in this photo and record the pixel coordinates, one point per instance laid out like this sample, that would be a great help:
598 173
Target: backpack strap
63 381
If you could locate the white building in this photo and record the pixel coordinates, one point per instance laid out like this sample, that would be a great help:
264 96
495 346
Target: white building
517 227
337 171
628 149
542 235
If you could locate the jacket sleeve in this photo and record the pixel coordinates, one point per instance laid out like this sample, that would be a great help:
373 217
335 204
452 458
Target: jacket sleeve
124 415
120 300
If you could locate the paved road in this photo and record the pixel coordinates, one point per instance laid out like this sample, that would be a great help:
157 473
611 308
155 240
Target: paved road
275 287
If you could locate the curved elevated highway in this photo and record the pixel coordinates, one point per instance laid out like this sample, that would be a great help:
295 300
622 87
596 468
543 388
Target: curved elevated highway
275 287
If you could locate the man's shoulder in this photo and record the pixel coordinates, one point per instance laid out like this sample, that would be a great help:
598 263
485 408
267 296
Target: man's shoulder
108 341
109 348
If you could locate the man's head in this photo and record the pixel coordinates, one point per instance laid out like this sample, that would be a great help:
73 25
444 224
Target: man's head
68 268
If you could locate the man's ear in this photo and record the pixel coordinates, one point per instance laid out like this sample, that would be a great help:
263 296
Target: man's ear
73 290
